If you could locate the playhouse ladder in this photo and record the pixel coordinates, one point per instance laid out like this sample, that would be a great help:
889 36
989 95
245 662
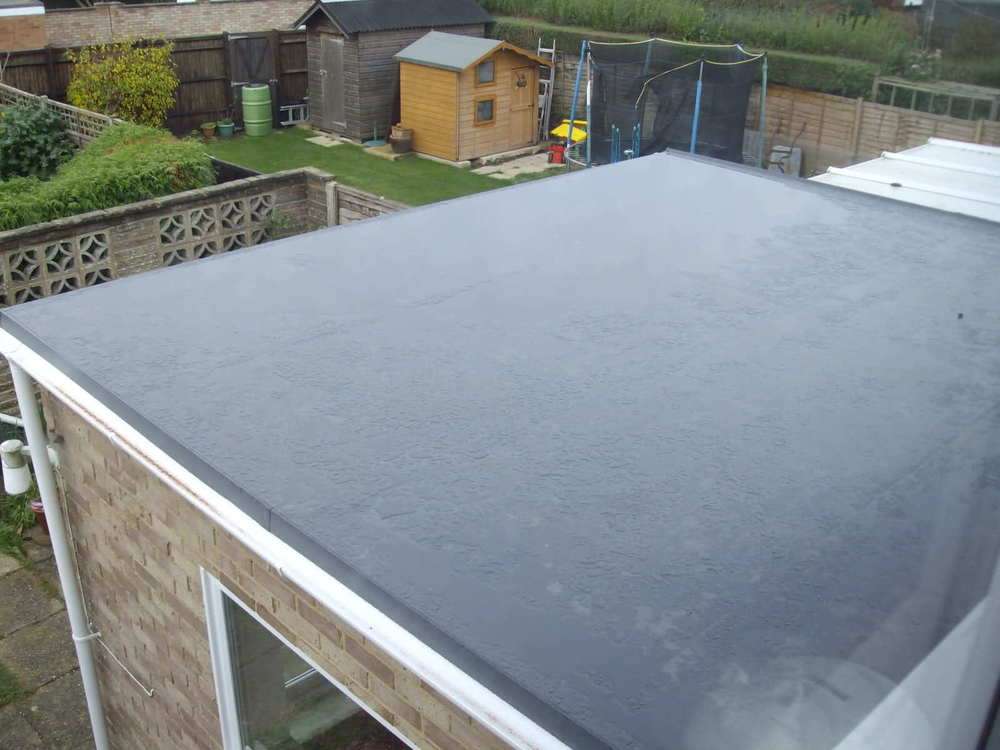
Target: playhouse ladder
546 81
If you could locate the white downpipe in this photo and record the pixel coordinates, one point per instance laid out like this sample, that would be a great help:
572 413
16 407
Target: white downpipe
79 627
466 693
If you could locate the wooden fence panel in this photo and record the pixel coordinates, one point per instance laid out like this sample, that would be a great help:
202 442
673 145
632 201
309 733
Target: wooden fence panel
204 91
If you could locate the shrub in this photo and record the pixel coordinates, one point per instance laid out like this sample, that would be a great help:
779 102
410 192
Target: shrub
832 75
131 80
126 163
33 141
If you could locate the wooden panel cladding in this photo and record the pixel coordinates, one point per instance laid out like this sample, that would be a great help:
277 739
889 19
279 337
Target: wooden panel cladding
429 98
379 73
515 108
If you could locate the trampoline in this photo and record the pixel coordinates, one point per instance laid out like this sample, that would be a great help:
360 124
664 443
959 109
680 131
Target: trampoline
645 97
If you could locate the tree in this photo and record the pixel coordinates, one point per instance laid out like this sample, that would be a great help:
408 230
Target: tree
133 80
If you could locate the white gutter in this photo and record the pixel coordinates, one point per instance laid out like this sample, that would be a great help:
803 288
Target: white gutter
79 627
486 708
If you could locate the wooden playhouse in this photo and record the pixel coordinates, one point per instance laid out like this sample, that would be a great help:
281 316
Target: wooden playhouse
464 97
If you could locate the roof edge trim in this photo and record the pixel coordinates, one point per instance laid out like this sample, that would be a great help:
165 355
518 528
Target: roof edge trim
311 11
491 711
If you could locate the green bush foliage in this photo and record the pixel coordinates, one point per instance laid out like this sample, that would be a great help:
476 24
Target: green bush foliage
135 81
127 163
33 141
856 30
831 75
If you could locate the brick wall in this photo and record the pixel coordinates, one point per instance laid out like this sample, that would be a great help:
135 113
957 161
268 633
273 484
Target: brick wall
22 32
139 547
107 22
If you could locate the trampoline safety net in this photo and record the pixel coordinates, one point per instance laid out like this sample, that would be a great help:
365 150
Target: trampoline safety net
645 98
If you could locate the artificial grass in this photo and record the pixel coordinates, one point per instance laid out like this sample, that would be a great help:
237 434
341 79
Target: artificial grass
413 181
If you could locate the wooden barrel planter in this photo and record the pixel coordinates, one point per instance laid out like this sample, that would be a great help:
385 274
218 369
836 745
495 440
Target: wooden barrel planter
401 139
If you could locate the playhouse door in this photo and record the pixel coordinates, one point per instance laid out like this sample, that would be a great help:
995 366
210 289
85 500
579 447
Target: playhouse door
523 100
332 74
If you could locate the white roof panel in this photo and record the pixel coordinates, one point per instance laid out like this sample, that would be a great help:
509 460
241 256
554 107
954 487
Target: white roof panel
948 175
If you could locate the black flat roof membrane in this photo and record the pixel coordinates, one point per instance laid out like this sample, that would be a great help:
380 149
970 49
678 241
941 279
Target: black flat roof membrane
637 448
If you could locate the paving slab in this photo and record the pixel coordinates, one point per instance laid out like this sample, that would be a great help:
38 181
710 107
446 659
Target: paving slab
26 600
324 141
9 563
16 731
40 653
58 713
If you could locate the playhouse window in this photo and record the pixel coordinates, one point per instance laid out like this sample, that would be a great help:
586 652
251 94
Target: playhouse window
485 72
276 699
484 110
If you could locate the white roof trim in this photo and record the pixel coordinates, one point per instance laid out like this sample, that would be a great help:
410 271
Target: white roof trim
910 159
893 181
23 10
509 724
964 146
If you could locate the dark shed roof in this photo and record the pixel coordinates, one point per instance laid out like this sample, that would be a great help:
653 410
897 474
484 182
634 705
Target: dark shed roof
721 421
354 16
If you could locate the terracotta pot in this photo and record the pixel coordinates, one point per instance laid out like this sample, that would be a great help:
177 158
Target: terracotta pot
39 510
208 130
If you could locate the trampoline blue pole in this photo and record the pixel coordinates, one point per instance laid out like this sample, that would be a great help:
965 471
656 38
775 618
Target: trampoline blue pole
697 110
576 94
763 113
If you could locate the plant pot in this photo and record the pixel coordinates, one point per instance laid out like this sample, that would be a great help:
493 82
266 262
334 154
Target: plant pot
39 510
225 129
208 130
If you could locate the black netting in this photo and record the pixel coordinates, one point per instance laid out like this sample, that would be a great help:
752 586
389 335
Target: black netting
644 94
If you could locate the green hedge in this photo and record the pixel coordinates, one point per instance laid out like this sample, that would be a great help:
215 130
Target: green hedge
878 37
831 75
980 72
127 163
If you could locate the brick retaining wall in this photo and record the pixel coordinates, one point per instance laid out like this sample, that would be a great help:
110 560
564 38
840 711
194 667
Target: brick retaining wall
139 547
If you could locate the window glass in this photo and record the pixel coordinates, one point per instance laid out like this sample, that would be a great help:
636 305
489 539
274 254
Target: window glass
485 72
285 704
484 110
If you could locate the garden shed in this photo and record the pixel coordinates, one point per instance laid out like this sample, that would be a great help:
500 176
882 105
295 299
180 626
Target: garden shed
353 75
465 97
417 482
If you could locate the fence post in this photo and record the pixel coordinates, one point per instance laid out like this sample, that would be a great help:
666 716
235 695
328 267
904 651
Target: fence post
859 105
226 68
979 131
276 66
50 72
332 204
762 113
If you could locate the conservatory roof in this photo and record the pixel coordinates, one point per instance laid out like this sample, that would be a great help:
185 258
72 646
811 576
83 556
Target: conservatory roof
949 175
707 427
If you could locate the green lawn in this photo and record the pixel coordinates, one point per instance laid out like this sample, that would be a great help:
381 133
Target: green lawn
412 180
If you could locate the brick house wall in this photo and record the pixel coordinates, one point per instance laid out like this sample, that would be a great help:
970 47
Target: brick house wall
139 546
106 22
22 32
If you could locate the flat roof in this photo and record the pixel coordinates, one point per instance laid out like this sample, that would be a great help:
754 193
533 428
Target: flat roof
944 174
610 442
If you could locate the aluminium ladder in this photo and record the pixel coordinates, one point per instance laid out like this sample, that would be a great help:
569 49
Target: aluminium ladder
546 81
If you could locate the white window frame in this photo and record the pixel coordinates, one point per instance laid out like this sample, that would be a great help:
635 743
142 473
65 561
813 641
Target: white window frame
215 595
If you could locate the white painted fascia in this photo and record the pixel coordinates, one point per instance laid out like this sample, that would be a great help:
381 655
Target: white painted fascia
27 10
486 708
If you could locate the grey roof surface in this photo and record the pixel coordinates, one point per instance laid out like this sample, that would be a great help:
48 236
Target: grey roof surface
448 51
717 421
354 16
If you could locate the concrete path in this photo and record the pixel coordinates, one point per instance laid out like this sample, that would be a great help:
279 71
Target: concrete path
35 645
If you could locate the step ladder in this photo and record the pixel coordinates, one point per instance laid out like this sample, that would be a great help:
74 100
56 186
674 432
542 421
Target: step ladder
546 82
